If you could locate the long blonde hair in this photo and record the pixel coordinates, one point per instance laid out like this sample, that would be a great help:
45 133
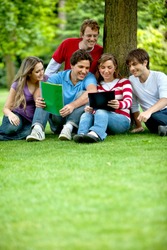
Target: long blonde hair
27 66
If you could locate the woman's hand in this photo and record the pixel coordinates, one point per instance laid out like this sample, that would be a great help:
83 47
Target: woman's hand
13 119
113 104
40 103
88 109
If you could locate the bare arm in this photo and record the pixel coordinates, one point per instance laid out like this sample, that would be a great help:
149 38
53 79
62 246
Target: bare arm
80 101
138 124
7 110
144 116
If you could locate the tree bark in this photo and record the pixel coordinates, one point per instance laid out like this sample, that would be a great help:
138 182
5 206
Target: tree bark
10 70
120 29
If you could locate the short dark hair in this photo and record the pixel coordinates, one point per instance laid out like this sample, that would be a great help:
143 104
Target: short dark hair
80 55
140 55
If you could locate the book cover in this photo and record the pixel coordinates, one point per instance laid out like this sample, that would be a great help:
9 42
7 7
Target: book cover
53 97
99 100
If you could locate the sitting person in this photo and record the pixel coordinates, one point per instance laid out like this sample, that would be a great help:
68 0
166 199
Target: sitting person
20 104
76 82
94 123
149 91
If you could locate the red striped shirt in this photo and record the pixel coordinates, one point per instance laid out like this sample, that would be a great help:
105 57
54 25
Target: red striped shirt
123 93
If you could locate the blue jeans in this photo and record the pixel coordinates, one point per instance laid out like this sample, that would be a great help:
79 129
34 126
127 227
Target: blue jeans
156 119
12 132
56 122
103 121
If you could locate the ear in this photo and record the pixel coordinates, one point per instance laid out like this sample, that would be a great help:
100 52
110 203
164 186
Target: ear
145 62
81 34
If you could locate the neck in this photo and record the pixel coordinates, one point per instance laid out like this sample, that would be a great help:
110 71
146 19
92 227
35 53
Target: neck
73 79
83 46
144 76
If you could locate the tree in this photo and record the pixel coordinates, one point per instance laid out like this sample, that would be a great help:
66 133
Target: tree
21 30
120 29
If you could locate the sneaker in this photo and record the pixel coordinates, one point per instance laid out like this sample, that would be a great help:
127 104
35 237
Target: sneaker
78 138
162 130
65 134
36 135
89 138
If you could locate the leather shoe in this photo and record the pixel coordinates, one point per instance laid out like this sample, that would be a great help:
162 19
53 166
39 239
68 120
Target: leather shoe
91 138
78 138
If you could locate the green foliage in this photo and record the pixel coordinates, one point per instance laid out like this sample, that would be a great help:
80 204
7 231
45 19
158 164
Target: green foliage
25 26
94 10
152 12
152 40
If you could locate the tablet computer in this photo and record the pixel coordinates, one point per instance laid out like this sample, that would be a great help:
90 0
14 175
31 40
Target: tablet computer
99 100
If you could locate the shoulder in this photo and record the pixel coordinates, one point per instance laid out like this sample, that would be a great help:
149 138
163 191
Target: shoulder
14 85
98 48
91 78
71 40
158 74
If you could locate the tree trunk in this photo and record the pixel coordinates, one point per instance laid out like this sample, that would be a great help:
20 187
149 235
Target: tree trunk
10 70
120 29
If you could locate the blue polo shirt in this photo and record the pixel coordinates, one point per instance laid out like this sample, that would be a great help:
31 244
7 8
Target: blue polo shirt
69 90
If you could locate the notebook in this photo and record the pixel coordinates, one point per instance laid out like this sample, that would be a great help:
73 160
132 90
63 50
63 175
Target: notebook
99 100
53 97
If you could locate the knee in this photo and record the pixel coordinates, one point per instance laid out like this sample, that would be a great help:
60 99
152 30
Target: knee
101 112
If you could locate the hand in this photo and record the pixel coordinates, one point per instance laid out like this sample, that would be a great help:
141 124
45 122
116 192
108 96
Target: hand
88 109
144 116
114 104
137 130
66 110
14 119
39 102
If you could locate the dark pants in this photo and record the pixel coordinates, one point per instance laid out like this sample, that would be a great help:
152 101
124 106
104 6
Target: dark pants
12 132
156 119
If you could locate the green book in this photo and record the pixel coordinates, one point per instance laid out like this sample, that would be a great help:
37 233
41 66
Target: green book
53 97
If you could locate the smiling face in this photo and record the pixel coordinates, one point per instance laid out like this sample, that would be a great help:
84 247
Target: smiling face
107 70
89 38
80 70
37 73
136 68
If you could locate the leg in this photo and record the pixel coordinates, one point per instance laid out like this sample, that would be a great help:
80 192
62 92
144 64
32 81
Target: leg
117 123
38 125
157 119
15 132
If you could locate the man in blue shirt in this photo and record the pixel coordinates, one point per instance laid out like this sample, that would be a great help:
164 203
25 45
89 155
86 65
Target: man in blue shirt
76 82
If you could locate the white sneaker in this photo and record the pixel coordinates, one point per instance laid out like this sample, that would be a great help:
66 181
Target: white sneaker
36 135
65 134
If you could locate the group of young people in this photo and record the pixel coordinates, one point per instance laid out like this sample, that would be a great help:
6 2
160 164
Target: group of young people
86 69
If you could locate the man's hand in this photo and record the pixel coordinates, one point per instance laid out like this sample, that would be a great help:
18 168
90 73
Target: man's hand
66 110
144 116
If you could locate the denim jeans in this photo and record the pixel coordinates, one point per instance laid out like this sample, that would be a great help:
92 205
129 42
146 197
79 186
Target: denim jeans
12 132
156 119
56 122
103 121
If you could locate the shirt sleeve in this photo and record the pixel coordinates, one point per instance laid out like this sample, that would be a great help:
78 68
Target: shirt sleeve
52 68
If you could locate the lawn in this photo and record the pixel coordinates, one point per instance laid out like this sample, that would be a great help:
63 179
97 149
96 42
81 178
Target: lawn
57 195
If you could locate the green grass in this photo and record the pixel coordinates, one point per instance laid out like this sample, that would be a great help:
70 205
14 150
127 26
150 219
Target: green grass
57 195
